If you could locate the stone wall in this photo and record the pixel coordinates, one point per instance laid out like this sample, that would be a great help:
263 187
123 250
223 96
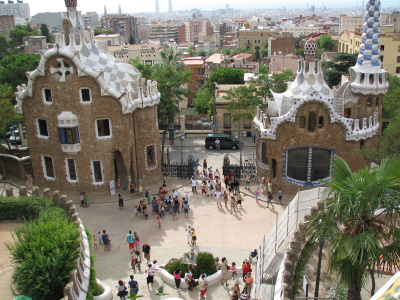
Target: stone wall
78 286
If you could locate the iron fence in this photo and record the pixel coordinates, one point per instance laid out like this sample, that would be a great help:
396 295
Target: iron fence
179 170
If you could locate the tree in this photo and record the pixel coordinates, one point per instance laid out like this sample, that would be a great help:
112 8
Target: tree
13 68
106 31
8 114
45 32
257 55
391 102
264 85
279 80
325 42
241 102
131 40
19 32
341 63
170 79
201 53
228 76
143 68
3 47
204 99
264 51
169 56
358 219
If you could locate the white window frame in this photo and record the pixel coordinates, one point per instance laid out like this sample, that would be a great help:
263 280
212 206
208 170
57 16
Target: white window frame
44 96
67 170
94 182
44 168
46 137
90 93
97 131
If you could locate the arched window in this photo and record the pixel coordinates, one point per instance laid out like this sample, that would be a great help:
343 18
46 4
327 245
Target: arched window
321 122
362 144
303 122
369 101
312 120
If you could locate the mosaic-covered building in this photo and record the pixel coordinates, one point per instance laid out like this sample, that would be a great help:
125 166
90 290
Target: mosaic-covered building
302 128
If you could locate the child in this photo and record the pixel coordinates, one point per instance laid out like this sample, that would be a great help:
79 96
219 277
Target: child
100 238
280 194
95 239
186 209
136 211
146 213
234 270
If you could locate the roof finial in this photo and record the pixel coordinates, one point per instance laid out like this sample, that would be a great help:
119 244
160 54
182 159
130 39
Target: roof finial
369 48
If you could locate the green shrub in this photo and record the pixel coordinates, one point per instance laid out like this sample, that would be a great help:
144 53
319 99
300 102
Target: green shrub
94 289
44 254
19 208
301 265
205 264
176 264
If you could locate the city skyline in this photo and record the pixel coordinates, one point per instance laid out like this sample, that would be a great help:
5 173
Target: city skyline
37 6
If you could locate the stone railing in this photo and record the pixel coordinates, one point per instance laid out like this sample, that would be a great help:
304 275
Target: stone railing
78 286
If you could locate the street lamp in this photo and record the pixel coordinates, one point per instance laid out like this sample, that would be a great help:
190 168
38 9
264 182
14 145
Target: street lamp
182 137
214 105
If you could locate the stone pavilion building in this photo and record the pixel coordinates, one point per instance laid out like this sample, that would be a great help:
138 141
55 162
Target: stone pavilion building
302 128
90 121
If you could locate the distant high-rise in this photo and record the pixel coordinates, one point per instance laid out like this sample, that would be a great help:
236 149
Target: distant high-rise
19 9
227 7
157 7
170 6
119 9
105 11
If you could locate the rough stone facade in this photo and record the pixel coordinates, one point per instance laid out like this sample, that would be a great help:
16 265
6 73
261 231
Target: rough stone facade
64 107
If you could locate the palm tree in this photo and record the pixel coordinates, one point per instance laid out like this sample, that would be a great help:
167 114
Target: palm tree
169 56
360 221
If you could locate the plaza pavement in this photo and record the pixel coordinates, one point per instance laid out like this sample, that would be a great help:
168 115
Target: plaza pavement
218 232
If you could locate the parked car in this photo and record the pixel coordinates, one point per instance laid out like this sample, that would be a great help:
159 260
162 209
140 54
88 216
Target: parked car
11 129
226 141
15 138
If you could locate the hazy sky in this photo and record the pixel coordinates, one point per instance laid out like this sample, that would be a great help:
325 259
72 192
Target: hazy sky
132 6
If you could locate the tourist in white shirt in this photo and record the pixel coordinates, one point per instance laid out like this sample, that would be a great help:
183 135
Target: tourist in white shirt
174 194
218 198
194 186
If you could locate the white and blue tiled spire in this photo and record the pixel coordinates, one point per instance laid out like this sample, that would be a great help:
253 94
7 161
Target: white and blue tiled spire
369 48
367 76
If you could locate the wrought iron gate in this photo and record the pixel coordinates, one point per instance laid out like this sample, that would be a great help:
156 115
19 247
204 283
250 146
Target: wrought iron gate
179 170
241 171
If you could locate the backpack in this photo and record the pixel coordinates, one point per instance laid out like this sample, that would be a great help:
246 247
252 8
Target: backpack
211 186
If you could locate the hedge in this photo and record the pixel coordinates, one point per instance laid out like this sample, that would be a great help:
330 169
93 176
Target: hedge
94 288
44 254
20 208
